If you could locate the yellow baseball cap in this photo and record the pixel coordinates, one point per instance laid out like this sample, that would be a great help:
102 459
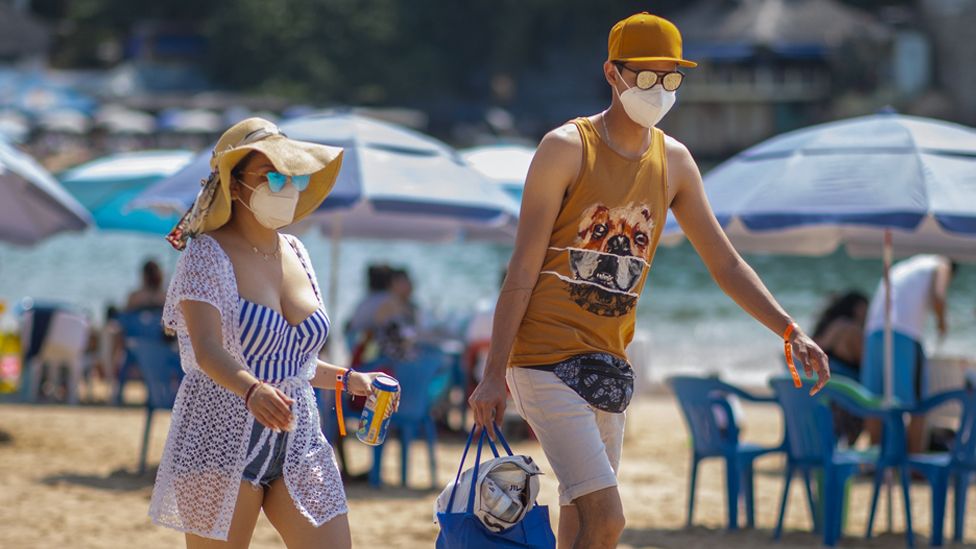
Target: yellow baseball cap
646 37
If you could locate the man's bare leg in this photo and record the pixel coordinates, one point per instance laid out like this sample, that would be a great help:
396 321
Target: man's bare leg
598 521
568 527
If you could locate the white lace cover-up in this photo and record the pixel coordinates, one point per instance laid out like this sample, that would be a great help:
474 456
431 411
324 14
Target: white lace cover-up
205 455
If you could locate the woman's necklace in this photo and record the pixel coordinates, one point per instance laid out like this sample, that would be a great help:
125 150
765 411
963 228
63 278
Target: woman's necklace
273 255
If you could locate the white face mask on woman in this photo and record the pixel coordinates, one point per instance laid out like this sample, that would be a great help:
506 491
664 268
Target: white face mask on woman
274 210
646 107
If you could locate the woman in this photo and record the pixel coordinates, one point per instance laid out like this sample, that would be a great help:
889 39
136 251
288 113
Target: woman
395 321
249 317
840 333
151 293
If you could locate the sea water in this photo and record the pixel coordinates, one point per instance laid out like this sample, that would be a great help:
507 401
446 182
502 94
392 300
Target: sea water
687 324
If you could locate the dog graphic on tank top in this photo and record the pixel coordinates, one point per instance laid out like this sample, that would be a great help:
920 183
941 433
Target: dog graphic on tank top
611 252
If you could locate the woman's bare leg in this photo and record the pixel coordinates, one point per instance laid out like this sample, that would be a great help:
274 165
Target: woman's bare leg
296 530
249 500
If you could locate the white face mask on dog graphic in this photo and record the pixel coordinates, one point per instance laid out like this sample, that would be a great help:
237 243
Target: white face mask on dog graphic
645 107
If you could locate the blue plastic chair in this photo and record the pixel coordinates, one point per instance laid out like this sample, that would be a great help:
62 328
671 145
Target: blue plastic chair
160 367
837 368
858 400
414 414
907 363
958 464
143 324
811 446
699 398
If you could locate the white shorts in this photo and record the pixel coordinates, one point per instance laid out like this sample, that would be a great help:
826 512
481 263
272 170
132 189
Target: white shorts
582 443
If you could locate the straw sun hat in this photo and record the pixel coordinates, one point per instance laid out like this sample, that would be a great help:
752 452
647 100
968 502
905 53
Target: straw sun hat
212 207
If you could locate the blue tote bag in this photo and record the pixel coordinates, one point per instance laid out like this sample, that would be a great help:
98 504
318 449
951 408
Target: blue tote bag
465 530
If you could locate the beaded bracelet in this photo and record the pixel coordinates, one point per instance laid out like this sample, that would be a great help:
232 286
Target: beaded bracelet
345 378
250 391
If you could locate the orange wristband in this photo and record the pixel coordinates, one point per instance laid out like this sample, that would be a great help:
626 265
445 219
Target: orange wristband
338 396
788 350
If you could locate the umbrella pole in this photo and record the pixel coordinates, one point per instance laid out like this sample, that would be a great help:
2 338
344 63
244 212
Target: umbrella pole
889 381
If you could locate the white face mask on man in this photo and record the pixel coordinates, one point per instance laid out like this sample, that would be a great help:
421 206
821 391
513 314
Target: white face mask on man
645 107
274 210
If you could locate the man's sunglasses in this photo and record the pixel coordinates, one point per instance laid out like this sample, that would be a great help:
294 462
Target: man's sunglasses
647 79
278 180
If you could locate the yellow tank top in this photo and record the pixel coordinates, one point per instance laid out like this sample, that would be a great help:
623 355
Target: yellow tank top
600 252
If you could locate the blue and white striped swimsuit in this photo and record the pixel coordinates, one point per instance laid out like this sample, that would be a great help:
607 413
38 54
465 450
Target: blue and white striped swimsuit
276 351
273 348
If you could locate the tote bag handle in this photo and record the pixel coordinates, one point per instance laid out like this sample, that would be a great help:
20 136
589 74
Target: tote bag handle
477 463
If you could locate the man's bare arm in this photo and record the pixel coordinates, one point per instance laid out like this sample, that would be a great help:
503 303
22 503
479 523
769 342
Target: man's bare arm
940 293
732 274
554 168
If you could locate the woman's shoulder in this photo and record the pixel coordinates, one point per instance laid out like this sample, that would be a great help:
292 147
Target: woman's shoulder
294 240
298 245
203 259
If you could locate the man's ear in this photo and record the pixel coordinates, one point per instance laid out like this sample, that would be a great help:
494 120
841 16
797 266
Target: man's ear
610 73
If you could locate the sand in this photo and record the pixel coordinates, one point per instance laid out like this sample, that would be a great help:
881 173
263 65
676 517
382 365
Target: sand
67 479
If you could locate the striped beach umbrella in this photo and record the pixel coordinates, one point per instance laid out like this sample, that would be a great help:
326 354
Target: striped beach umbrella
106 185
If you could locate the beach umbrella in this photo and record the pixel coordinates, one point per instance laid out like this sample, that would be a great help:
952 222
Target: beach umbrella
873 184
105 186
64 121
504 164
37 93
395 183
33 205
190 121
14 126
117 119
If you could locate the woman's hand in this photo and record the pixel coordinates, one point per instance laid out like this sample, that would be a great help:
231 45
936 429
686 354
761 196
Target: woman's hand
361 384
271 407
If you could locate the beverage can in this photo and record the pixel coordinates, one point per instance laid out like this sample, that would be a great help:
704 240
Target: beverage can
379 408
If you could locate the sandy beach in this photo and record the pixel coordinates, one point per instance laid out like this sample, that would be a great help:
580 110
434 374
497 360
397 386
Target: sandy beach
68 478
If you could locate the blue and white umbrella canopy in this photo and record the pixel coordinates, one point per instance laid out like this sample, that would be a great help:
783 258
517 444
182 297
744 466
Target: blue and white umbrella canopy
394 183
33 205
878 185
845 183
105 186
506 165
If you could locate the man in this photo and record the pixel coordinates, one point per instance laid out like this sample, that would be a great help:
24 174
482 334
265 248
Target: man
594 206
919 285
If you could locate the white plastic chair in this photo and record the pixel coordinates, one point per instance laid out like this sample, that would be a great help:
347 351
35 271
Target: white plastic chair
64 346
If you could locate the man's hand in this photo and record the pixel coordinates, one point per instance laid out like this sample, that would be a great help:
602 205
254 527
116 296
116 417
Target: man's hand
812 358
488 403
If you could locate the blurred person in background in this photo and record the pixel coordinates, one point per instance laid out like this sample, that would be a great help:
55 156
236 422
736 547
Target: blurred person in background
377 292
151 293
360 329
919 288
840 333
396 319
